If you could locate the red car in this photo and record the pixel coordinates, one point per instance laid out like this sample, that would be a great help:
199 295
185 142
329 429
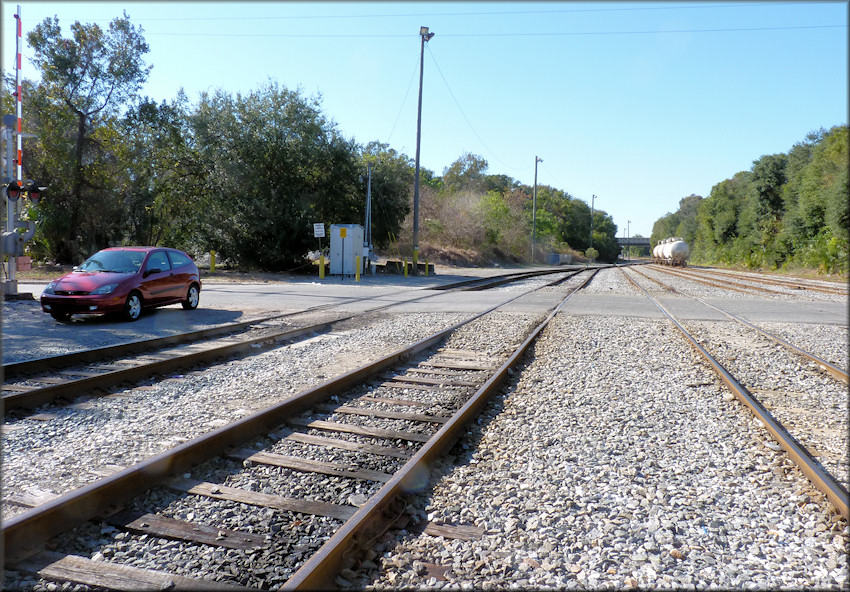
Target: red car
124 280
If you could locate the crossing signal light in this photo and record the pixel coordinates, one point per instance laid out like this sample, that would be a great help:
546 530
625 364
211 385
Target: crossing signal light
13 191
35 192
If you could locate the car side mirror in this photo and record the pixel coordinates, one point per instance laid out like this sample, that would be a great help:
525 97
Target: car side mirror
152 270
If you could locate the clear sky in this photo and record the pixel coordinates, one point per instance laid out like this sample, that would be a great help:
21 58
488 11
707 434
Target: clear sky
640 104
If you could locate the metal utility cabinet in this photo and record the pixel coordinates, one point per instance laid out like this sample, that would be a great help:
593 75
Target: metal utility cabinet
346 246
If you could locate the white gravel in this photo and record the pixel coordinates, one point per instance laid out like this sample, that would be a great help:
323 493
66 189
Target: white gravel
689 287
78 444
613 460
828 342
616 462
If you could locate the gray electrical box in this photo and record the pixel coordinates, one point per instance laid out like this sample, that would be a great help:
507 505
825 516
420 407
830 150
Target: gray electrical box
346 246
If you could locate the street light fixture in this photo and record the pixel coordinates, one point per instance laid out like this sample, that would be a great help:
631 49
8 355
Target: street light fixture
534 209
424 36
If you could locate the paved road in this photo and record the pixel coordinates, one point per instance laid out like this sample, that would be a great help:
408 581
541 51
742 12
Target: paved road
25 326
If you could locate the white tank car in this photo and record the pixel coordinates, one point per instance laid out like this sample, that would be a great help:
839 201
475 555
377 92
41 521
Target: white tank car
671 251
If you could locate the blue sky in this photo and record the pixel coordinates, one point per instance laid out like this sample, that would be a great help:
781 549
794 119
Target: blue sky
640 104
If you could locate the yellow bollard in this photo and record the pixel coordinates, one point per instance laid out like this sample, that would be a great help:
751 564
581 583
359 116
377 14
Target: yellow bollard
405 267
321 267
357 271
212 261
415 265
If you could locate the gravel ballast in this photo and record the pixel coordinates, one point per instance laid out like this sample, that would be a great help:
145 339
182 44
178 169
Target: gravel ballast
612 460
616 462
77 445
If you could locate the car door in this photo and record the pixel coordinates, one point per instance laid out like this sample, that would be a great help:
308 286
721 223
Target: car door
157 282
183 269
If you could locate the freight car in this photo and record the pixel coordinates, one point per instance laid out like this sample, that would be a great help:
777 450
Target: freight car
671 251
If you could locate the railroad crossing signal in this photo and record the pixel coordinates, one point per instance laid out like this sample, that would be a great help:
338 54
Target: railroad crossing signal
14 190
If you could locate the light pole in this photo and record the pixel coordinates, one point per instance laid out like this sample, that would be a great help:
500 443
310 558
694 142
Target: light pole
592 199
534 209
628 235
367 238
424 36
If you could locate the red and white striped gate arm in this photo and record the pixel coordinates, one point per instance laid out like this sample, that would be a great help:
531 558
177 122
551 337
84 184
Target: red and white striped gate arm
18 96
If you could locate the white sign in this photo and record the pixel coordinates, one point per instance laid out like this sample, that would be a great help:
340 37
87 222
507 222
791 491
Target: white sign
319 230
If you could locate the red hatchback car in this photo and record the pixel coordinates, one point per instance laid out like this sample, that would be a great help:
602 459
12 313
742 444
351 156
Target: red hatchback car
124 280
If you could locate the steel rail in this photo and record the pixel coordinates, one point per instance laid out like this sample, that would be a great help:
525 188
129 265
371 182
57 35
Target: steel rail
775 282
484 283
830 369
34 365
378 513
24 367
48 394
23 534
98 354
820 478
524 277
33 398
726 286
660 283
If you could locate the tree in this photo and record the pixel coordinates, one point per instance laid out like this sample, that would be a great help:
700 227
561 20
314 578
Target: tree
274 166
605 236
85 80
163 169
717 218
392 183
466 173
761 213
575 223
665 227
682 223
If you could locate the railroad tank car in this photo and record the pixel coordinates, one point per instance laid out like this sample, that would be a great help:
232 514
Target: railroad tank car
671 251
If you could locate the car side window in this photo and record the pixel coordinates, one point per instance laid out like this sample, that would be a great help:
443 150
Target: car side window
158 260
178 259
136 261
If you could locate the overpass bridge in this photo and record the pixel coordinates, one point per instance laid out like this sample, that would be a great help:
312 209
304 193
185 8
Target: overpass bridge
634 241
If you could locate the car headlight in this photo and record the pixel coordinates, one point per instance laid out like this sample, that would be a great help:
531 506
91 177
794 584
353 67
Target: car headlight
49 288
107 289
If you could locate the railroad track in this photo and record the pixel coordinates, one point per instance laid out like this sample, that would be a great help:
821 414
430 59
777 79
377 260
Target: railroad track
420 397
825 366
791 283
747 283
30 384
825 460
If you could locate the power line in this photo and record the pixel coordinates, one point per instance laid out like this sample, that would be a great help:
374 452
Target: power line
556 34
651 32
466 118
404 100
471 13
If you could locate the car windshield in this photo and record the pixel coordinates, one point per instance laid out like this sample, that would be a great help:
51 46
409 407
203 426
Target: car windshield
114 261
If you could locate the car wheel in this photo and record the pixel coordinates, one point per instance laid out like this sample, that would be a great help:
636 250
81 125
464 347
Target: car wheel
62 317
193 296
133 307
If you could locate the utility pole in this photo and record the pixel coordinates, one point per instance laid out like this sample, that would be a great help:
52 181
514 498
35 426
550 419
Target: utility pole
628 235
592 199
534 209
367 238
424 36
